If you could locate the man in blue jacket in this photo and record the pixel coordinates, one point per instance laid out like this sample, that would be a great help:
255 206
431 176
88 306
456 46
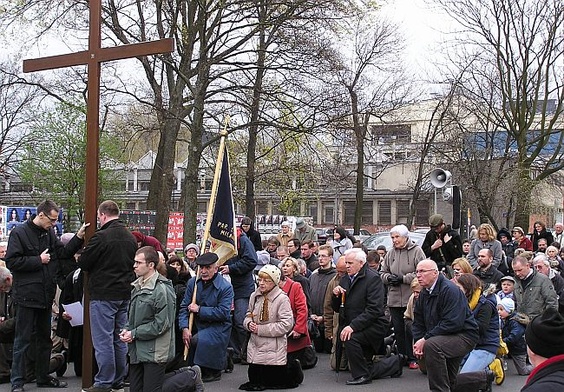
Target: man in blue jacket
444 330
208 339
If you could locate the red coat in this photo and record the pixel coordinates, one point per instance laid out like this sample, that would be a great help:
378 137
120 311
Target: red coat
147 240
526 244
298 303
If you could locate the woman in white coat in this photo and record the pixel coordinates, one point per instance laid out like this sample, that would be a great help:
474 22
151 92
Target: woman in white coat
269 320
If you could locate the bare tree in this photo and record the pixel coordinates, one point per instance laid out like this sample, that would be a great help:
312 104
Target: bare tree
517 47
373 83
16 102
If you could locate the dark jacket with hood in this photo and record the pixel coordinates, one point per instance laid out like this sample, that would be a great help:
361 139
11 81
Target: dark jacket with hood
34 282
513 333
508 250
254 236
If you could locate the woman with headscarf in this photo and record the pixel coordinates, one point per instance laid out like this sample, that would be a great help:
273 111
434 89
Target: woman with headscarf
269 320
397 271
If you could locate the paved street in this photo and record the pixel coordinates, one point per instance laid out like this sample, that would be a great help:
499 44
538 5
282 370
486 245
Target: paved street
320 378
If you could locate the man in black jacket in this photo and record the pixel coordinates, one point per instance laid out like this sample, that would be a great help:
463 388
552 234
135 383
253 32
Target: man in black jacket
33 258
442 244
109 258
361 322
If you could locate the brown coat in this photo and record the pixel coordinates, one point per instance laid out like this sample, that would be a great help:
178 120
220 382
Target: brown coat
268 346
330 318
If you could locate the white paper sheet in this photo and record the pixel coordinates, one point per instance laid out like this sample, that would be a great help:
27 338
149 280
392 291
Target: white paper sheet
76 311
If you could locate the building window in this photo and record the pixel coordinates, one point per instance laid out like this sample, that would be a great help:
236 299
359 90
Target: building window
202 207
385 212
367 212
311 210
391 133
328 213
262 207
422 212
348 216
402 208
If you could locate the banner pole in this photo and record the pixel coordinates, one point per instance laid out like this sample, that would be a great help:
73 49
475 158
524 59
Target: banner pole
211 207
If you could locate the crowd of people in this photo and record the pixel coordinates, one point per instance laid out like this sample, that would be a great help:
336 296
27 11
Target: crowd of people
455 310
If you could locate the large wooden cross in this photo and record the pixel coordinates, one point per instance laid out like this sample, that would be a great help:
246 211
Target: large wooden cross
93 57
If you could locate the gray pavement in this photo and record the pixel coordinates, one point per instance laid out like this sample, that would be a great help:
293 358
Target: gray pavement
320 378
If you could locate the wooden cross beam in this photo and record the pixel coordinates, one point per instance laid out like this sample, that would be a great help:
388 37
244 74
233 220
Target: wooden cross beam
93 57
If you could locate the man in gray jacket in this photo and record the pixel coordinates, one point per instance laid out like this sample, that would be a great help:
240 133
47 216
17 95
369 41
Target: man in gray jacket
150 330
533 291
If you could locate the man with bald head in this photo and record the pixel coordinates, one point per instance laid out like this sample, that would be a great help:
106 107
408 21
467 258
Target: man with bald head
444 330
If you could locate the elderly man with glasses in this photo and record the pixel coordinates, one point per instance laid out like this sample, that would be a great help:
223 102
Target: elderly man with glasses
542 265
444 329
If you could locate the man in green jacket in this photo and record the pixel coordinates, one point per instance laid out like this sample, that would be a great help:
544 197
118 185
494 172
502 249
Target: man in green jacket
150 330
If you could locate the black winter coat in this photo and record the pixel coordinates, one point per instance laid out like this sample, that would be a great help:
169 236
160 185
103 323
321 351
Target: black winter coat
108 258
447 253
35 283
547 377
254 236
536 236
364 305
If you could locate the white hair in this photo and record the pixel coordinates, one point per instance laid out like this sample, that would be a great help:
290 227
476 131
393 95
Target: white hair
4 274
358 254
541 258
402 230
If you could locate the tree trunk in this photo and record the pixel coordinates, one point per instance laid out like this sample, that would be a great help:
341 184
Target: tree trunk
523 197
162 177
253 127
360 133
190 189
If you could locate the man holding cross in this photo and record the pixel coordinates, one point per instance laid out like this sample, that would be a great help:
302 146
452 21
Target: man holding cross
108 259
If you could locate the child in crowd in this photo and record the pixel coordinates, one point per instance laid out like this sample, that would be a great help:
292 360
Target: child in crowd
507 286
513 334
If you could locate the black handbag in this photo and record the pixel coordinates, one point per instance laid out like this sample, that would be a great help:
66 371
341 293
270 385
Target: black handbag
312 329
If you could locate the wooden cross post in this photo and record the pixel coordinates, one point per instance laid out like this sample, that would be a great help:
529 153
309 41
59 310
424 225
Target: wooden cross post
93 57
